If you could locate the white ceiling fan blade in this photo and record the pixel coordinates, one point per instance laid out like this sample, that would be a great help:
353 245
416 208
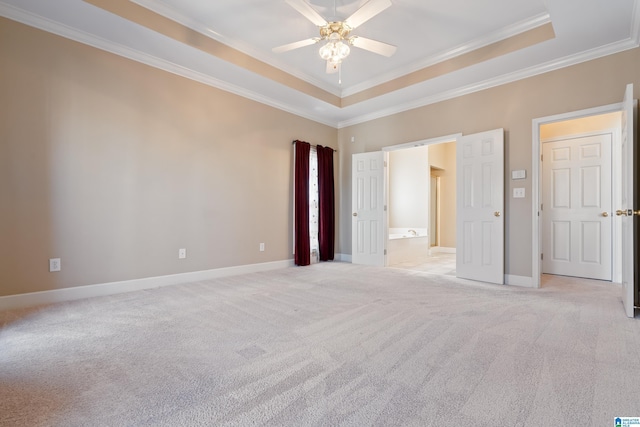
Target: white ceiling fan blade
331 69
373 46
294 45
366 12
308 12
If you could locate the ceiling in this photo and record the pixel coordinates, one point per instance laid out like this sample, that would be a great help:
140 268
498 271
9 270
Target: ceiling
445 48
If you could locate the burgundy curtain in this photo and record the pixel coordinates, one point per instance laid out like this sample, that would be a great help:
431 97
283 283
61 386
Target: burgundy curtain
326 203
302 255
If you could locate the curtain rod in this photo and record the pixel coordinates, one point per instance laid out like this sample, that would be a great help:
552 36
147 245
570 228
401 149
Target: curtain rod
292 143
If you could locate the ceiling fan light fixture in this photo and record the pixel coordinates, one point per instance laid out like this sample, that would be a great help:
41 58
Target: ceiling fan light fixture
334 51
336 35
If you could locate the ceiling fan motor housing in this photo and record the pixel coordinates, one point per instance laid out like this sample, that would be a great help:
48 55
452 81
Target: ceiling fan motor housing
339 28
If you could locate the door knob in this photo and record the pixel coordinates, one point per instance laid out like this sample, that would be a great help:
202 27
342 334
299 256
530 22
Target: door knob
637 213
621 212
355 214
496 213
605 214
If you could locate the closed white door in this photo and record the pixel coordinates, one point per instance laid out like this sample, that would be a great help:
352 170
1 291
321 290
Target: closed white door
627 211
367 199
480 207
577 207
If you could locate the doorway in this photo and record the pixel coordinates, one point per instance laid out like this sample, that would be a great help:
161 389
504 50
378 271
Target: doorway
578 234
421 207
479 191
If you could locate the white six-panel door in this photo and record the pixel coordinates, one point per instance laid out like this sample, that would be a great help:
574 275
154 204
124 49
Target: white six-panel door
577 207
367 199
480 207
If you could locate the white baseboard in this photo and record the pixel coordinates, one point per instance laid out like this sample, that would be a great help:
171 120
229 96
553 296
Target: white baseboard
11 302
442 249
343 257
524 281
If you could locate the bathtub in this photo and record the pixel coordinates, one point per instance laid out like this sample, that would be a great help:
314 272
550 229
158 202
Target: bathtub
406 233
405 246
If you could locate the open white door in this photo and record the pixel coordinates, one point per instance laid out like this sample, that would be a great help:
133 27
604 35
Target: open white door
367 200
480 207
626 211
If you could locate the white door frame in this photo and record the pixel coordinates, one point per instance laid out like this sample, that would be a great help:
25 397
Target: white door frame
536 184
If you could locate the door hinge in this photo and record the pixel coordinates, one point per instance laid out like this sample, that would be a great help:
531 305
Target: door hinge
541 206
541 257
385 208
385 251
541 157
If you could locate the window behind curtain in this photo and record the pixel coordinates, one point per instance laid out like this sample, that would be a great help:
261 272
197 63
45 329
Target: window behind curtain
314 219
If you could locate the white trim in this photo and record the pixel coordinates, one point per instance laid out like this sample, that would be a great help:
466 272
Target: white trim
523 281
447 138
536 177
502 34
37 21
48 25
442 250
343 257
496 81
69 294
172 14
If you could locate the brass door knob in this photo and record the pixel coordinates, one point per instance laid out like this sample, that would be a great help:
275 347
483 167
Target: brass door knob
496 213
605 214
355 214
637 213
621 212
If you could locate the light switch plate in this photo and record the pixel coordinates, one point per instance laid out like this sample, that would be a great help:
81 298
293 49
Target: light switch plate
519 174
518 193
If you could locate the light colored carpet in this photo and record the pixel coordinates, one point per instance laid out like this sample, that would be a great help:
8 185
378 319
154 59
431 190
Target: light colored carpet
331 344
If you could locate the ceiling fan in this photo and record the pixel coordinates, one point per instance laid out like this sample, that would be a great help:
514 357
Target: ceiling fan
337 34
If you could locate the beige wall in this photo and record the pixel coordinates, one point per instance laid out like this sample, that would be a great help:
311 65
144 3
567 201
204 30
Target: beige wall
580 126
511 106
443 156
113 166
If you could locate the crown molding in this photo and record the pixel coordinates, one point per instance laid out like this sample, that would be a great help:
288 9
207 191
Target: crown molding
568 61
41 23
170 13
502 34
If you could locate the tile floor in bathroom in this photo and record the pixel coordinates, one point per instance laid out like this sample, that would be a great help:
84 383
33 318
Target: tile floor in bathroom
437 263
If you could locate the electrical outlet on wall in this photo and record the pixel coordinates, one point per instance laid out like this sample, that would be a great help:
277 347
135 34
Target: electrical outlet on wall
54 265
182 253
261 247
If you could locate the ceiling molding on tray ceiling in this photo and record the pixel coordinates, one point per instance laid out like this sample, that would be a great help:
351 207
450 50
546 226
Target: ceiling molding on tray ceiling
174 15
53 27
502 34
560 63
37 21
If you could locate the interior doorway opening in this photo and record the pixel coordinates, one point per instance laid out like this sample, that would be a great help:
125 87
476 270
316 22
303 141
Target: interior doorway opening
421 206
587 238
576 214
